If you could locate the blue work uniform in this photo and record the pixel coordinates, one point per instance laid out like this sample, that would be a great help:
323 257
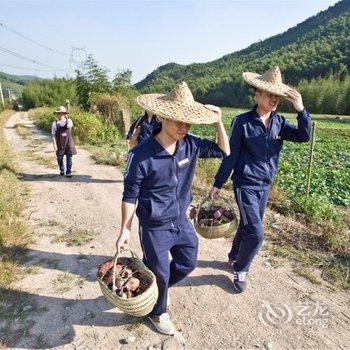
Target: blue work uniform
161 183
254 157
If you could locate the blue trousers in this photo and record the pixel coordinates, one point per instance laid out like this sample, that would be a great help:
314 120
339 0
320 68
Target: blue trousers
250 233
182 243
68 163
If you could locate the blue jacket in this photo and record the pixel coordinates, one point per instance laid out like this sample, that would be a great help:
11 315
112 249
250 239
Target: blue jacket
162 182
255 150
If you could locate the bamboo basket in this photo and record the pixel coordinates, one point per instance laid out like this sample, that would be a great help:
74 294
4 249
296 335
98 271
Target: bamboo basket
213 232
140 305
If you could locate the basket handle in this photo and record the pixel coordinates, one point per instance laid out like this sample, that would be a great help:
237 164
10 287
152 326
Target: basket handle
115 258
200 206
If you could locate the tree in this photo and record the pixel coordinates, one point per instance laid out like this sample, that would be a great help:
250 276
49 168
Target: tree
91 80
122 79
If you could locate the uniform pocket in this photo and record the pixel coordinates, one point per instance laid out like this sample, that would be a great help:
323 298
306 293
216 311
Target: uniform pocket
163 211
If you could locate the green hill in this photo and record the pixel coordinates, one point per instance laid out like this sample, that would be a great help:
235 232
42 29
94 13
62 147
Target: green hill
15 82
314 48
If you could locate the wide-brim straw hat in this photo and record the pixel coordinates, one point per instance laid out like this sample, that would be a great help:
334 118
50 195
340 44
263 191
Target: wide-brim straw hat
270 81
178 105
61 109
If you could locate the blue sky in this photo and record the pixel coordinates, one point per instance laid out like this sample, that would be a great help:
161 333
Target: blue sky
141 35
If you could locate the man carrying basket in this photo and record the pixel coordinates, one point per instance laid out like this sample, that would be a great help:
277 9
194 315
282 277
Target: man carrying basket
256 142
159 176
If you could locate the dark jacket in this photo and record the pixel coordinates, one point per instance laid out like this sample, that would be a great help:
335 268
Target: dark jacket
255 150
64 140
147 128
162 182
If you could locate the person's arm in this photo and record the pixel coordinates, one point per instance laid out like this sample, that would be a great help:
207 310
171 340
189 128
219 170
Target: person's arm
133 177
229 162
301 132
221 136
222 139
53 133
128 210
69 123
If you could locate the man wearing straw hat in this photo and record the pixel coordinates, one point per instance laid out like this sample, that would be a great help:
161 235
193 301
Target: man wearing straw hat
159 176
256 141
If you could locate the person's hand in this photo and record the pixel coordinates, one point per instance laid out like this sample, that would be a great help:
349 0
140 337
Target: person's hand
296 99
123 240
214 193
214 109
54 147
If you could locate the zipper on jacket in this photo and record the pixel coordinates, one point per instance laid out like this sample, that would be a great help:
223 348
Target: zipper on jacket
176 188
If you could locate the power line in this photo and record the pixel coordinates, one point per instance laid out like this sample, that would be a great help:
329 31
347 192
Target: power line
33 41
26 58
34 69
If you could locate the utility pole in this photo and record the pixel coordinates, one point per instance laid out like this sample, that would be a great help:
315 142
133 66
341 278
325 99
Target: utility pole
68 106
10 96
311 154
2 95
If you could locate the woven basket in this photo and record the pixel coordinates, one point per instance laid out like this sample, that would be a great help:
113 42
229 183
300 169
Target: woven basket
212 232
142 304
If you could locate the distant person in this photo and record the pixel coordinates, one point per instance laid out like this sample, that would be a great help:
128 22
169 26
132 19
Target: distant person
256 141
157 182
63 142
142 129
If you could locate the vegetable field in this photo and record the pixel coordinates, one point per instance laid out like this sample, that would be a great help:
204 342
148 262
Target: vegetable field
331 164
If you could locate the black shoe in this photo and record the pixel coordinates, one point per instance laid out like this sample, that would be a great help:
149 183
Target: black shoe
69 175
239 281
61 174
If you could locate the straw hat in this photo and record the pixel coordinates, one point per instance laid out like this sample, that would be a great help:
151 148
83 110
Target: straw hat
270 81
178 105
61 109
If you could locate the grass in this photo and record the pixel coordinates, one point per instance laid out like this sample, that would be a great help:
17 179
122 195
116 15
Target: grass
46 161
75 237
13 195
23 130
109 154
64 282
309 247
307 274
137 329
51 223
32 270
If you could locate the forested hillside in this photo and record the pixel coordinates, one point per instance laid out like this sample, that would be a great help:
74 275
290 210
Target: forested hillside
317 47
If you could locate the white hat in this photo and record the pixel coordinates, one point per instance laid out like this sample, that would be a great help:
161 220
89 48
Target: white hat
61 109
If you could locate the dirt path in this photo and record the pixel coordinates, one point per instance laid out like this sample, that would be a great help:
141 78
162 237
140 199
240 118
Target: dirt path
64 305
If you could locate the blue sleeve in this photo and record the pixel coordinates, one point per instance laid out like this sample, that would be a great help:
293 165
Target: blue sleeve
300 133
133 177
207 148
229 162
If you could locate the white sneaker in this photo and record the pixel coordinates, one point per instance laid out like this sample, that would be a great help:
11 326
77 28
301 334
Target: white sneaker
163 324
